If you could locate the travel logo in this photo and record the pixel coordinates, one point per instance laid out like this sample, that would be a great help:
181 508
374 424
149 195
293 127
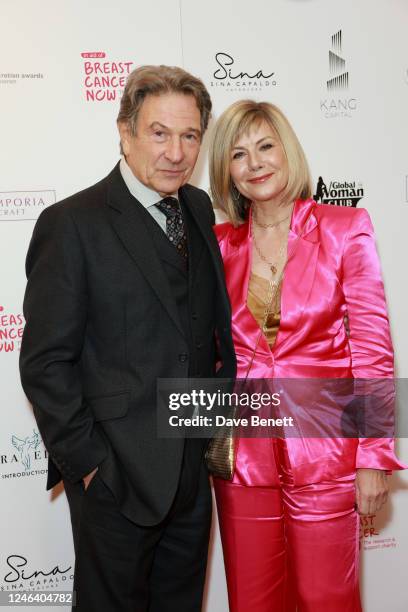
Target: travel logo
14 78
24 205
337 103
11 331
25 457
370 534
339 193
19 574
25 447
104 80
229 75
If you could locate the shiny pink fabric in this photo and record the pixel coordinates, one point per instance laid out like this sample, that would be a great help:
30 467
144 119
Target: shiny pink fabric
333 271
289 548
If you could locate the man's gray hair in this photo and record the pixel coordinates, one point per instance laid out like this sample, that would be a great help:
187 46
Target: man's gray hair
157 80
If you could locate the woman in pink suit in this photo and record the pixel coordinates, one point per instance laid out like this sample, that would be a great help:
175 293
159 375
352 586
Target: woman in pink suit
295 271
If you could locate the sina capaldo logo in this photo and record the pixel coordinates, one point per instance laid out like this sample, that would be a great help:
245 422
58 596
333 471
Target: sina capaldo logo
230 75
21 574
338 102
338 193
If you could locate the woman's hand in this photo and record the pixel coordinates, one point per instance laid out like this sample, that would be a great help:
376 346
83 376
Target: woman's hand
371 490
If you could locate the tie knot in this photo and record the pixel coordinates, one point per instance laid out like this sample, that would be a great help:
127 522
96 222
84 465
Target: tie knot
169 206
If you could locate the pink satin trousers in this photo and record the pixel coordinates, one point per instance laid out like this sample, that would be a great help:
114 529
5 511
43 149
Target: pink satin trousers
290 548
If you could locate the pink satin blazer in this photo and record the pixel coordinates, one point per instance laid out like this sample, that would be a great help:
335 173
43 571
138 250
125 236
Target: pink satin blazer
332 271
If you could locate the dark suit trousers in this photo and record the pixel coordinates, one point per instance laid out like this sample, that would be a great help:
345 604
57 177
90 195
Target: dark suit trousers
124 567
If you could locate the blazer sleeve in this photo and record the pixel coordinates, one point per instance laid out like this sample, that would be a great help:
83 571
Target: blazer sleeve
372 354
55 308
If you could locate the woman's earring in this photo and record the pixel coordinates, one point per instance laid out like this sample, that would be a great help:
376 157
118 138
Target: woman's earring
235 193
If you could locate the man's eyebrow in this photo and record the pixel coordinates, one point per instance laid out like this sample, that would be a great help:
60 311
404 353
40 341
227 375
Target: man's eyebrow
157 124
257 142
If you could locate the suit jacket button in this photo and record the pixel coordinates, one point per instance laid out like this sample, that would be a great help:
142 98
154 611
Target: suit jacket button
199 345
194 316
183 357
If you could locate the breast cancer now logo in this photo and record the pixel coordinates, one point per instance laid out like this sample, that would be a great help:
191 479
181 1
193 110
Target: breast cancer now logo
11 331
104 80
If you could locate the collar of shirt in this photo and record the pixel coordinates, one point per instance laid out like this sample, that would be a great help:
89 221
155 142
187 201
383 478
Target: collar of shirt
146 196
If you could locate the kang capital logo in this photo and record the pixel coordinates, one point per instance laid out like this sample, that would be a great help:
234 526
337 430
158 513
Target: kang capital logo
337 103
231 75
104 79
338 192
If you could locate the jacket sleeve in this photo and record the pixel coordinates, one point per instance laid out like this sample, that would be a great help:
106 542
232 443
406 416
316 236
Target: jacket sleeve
370 341
55 308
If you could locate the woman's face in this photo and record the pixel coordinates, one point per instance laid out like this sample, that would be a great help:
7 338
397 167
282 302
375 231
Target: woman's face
258 164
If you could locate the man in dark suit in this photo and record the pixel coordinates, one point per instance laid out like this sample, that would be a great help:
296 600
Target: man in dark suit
125 286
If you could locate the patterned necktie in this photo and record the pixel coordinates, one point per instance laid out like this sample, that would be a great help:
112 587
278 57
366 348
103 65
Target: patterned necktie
175 230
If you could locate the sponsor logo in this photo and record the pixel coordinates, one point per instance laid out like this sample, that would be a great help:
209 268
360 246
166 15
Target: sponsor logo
339 193
14 78
18 573
104 80
25 457
229 74
337 103
11 331
370 534
24 205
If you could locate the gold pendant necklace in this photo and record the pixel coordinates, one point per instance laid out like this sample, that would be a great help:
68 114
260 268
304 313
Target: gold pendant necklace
273 265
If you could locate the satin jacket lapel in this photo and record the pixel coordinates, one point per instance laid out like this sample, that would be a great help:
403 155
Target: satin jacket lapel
238 263
300 270
127 218
303 249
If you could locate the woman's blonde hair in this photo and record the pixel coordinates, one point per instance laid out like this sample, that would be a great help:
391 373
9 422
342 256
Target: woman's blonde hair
235 121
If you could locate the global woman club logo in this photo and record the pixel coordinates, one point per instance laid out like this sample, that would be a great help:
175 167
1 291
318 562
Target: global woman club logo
104 80
230 75
339 193
337 102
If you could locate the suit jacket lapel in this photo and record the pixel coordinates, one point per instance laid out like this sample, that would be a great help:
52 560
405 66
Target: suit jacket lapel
127 218
209 238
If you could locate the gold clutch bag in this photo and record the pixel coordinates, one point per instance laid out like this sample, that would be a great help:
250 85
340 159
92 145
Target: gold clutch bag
220 454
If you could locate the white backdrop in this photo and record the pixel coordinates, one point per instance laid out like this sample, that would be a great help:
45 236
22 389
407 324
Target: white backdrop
58 135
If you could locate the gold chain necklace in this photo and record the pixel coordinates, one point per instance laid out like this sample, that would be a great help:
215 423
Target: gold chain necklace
273 265
267 225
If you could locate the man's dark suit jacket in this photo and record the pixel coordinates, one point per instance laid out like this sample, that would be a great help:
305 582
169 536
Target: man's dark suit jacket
102 326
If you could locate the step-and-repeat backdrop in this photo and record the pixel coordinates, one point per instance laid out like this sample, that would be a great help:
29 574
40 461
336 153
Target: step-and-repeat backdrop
338 68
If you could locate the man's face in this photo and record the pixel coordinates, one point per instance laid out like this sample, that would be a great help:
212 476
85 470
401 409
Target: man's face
164 150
